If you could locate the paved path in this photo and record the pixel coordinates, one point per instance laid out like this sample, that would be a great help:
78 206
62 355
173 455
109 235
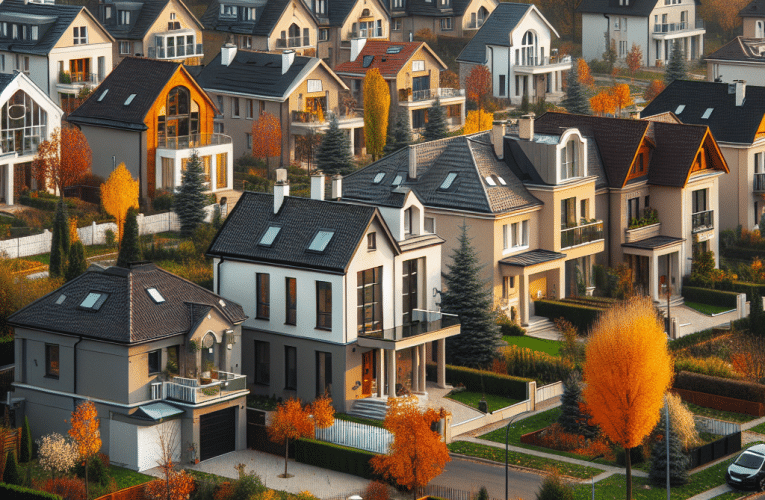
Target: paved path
460 412
468 474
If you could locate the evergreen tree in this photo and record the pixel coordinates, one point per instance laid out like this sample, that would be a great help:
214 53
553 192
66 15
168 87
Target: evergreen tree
190 200
59 247
678 461
400 136
334 155
11 473
469 298
130 250
77 263
436 126
572 418
756 320
575 101
25 451
676 65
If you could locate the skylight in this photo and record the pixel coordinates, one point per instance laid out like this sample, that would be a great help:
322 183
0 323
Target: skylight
94 301
379 177
707 113
394 49
129 99
680 109
448 181
320 241
490 181
367 61
397 181
60 300
270 235
103 94
221 302
155 295
501 180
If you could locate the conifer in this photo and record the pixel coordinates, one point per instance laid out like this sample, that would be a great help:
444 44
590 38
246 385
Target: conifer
436 126
400 136
130 250
77 263
573 418
678 461
575 101
676 65
334 155
59 248
190 200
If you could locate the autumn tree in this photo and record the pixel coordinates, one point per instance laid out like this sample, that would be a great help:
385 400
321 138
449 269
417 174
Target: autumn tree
63 159
266 137
622 97
627 371
748 356
449 80
85 433
634 59
477 121
59 246
603 103
575 100
189 202
654 88
676 66
724 13
119 194
585 75
15 294
376 107
417 453
334 155
306 148
173 485
478 85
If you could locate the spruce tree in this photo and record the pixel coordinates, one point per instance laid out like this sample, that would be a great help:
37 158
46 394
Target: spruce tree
575 101
11 472
25 451
678 461
399 136
572 418
77 263
676 65
59 247
467 296
334 155
190 200
130 250
436 126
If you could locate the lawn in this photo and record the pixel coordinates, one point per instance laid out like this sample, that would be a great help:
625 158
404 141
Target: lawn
359 420
549 346
720 414
472 398
707 308
758 428
529 424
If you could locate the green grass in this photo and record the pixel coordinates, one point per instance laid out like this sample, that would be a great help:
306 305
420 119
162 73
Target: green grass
759 428
359 420
731 495
529 424
472 398
523 460
551 347
126 477
707 308
720 414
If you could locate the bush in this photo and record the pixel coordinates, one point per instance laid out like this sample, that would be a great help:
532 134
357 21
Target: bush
11 472
708 296
21 493
696 338
540 366
711 365
111 238
163 201
334 457
555 488
580 315
44 202
508 327
377 491
246 487
737 389
484 381
98 471
66 487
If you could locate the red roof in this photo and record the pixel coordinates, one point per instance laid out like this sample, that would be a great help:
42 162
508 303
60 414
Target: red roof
383 58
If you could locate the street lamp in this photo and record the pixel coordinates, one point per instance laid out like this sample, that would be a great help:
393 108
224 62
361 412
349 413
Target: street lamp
593 477
507 445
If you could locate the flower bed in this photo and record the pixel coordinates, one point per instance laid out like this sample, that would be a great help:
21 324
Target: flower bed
554 437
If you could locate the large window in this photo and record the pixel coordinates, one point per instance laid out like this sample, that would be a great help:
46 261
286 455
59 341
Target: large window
633 209
569 160
80 35
154 361
23 124
323 374
323 305
290 286
263 307
700 200
290 367
171 46
409 278
529 49
181 122
51 360
221 169
568 213
262 363
369 300
79 70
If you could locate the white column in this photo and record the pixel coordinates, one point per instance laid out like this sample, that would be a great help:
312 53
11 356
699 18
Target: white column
416 360
213 171
351 136
523 303
9 184
391 373
423 371
653 277
380 353
441 370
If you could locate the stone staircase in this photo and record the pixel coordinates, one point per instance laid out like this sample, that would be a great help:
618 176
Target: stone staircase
541 327
374 408
674 301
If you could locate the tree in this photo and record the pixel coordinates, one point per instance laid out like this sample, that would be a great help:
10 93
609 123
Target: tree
678 461
85 433
293 421
25 451
676 65
401 135
585 75
119 194
189 202
610 56
622 97
307 146
477 121
11 472
436 126
468 297
478 85
449 80
634 59
376 107
16 293
603 103
266 137
575 417
173 485
57 454
554 487
417 453
334 156
654 88
59 246
724 13
130 250
575 100
627 371
63 159
748 356
77 263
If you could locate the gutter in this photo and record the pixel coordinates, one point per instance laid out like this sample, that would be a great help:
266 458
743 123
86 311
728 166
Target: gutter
217 286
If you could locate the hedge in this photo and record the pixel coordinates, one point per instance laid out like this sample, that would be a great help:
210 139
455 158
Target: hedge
47 204
6 350
737 389
742 253
21 493
581 316
484 381
709 296
696 338
334 457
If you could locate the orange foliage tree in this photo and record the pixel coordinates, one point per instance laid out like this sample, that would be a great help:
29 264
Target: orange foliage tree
478 85
376 107
449 80
585 76
724 13
119 194
293 421
478 120
748 357
266 137
85 433
602 103
654 89
634 58
417 453
627 371
174 485
63 159
622 97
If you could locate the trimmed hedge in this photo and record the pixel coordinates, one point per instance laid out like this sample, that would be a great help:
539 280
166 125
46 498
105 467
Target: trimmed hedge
709 296
696 338
484 381
334 457
21 493
6 350
47 204
581 316
737 389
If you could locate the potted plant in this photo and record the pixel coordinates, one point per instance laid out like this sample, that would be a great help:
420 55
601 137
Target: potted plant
207 369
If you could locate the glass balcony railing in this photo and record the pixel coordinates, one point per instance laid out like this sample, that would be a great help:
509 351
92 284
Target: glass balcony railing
193 141
191 390
422 322
578 235
188 50
293 41
702 221
681 26
427 94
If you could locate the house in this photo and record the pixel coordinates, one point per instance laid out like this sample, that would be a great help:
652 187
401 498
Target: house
735 113
158 29
138 343
303 92
152 116
515 44
29 116
412 71
457 18
654 25
743 58
62 48
369 321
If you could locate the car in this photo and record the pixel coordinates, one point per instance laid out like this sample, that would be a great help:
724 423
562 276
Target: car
747 472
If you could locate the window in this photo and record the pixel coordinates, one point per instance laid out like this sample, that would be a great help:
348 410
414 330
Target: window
323 374
323 34
616 23
94 301
568 213
502 85
320 6
263 300
155 295
505 237
756 213
172 359
446 24
584 208
409 289
508 283
125 48
180 122
633 209
22 133
235 107
622 48
262 363
647 202
430 225
51 361
707 113
699 200
323 305
396 24
408 221
378 28
290 368
154 361
569 160
221 170
172 16
220 104
398 4
248 141
320 241
124 16
624 24
515 235
369 300
290 297
448 181
262 107
249 108
245 42
35 32
372 241
108 12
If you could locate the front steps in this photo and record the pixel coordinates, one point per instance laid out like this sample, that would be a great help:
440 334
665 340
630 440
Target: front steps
374 408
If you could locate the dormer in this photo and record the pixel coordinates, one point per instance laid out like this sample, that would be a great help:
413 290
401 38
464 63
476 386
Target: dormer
320 8
571 156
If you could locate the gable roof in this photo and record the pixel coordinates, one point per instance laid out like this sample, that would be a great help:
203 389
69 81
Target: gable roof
143 16
741 49
675 152
389 64
212 20
639 8
755 8
339 10
129 315
729 123
433 8
495 31
272 12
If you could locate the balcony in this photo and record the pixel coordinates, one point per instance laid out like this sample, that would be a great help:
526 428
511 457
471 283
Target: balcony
443 93
306 120
579 235
194 391
539 65
189 50
681 26
193 141
759 183
292 42
426 326
67 78
634 234
702 221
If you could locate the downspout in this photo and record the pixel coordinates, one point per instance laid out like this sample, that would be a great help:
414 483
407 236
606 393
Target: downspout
75 365
217 287
140 166
608 32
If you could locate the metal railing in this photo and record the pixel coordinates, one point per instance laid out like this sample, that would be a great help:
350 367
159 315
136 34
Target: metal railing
422 322
356 435
578 235
759 182
544 61
702 221
188 50
681 26
66 77
427 94
293 41
190 391
193 141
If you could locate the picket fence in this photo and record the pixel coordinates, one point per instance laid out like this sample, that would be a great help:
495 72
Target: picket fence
356 435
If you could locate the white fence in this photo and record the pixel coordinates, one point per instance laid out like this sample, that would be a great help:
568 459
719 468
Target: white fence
94 234
549 391
355 435
713 426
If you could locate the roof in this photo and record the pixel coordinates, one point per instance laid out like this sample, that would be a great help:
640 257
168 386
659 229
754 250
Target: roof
729 123
6 79
212 20
300 220
532 257
755 8
384 58
338 10
470 158
675 152
157 411
639 8
654 242
129 315
494 31
144 13
741 49
433 8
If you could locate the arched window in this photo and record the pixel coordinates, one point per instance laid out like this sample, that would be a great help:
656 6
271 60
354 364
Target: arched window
529 48
294 34
178 122
482 15
23 124
569 160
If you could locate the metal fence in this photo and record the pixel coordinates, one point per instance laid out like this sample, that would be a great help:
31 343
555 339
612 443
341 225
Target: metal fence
355 435
447 492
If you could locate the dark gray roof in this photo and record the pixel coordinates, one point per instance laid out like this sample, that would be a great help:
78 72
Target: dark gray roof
143 15
267 14
755 8
129 314
300 219
53 21
532 257
494 31
270 15
434 8
640 8
741 49
654 242
6 79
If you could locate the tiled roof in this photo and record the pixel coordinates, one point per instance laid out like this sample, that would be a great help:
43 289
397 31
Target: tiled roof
654 242
741 49
676 148
269 16
388 64
640 8
144 13
211 19
300 219
729 123
129 314
755 8
433 8
494 31
338 10
532 257
53 20
6 79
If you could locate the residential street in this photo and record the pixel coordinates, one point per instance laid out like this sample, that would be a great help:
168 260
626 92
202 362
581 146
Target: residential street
464 474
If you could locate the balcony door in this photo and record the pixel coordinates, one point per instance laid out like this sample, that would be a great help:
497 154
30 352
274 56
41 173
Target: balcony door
420 83
367 373
79 70
409 278
369 300
181 121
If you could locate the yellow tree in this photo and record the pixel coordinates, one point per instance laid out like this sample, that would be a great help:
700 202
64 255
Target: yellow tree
585 76
417 453
266 137
478 120
63 159
627 371
654 89
119 194
85 433
622 97
634 58
376 106
602 103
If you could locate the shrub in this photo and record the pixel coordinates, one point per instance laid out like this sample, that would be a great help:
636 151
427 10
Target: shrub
696 338
485 381
377 491
11 472
21 493
163 201
334 457
708 296
25 452
536 365
111 238
581 316
508 327
738 389
246 487
555 488
66 487
97 471
711 365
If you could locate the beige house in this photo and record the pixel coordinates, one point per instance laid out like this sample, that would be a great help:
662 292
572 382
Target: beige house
441 17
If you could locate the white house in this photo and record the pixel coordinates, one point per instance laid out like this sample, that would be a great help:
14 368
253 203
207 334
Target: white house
743 58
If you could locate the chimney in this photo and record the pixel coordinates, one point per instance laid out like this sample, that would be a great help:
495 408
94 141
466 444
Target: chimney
740 92
227 54
281 188
498 138
337 187
288 57
412 162
526 127
357 44
317 186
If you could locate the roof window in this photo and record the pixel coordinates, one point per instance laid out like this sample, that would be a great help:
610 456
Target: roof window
680 109
60 300
490 181
367 61
397 181
707 113
129 99
103 94
155 295
394 49
379 177
221 302
448 181
94 301
501 180
269 236
320 241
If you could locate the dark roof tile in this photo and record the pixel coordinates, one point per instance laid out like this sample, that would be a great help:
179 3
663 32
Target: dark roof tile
755 8
61 17
494 31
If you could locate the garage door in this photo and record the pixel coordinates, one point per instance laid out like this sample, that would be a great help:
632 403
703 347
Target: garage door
217 433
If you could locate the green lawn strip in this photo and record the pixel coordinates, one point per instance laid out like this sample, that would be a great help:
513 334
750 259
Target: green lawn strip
759 428
126 477
523 460
472 398
551 347
720 414
731 495
359 420
706 308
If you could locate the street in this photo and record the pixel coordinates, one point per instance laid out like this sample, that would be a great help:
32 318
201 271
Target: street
468 475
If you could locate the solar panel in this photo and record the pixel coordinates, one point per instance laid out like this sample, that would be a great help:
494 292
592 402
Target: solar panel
394 49
368 61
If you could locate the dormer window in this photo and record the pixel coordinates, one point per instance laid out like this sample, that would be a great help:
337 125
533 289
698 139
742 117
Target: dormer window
247 13
228 10
36 33
320 6
570 166
124 17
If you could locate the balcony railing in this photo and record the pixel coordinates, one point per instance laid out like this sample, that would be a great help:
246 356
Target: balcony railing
759 183
422 322
681 26
193 141
66 77
293 41
189 50
427 94
702 221
586 233
544 61
475 25
309 117
189 390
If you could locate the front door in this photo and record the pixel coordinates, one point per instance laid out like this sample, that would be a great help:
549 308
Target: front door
367 373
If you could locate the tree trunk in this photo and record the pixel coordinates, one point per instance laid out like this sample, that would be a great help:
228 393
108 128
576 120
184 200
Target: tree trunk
87 495
286 455
628 461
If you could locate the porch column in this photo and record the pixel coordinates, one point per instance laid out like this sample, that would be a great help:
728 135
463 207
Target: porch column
462 113
416 368
523 294
562 292
441 366
700 45
391 373
653 277
352 136
213 172
380 353
9 183
423 371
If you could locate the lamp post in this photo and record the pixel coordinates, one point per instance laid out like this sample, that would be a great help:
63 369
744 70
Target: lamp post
666 438
507 445
593 477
